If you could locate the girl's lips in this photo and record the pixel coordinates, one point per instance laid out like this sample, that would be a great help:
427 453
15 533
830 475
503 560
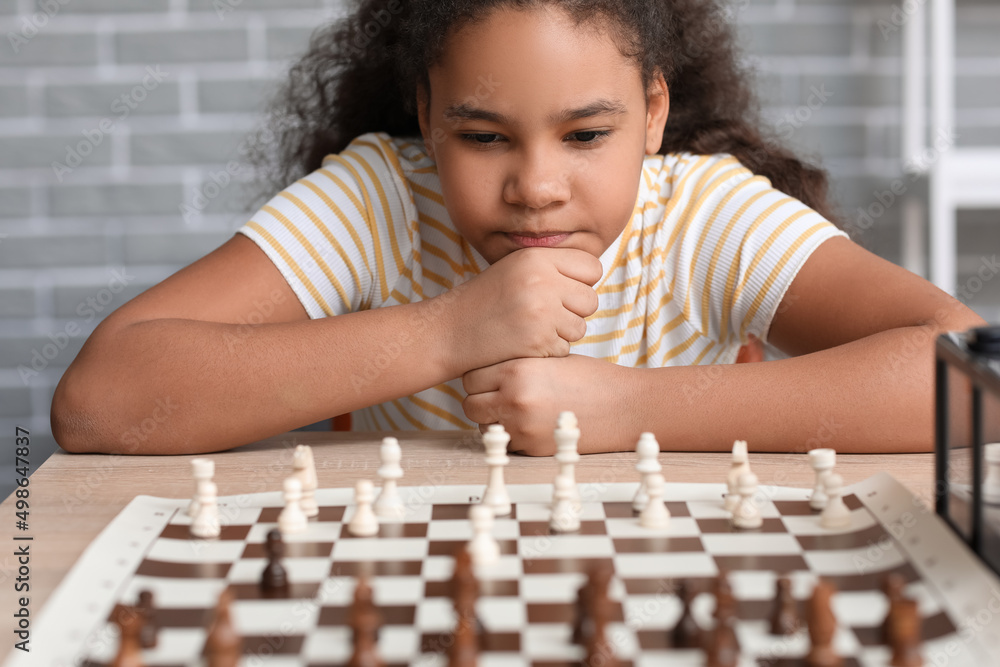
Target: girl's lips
538 241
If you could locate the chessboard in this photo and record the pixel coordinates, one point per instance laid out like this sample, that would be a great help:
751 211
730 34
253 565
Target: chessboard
526 599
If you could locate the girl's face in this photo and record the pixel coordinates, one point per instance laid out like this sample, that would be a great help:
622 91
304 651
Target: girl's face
539 130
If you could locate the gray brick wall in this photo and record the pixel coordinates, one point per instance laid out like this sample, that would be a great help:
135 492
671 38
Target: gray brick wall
142 101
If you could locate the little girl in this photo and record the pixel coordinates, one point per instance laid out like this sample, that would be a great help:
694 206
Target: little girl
491 211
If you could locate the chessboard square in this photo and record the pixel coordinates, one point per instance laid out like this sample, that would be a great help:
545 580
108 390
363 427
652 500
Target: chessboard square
195 551
559 587
674 658
674 565
552 642
438 567
326 515
324 532
764 562
175 592
300 570
378 549
860 608
565 546
336 591
651 611
487 588
501 614
725 526
291 550
397 590
589 511
450 547
275 617
175 570
537 528
861 520
623 640
173 646
294 591
755 639
460 512
680 526
435 614
508 567
175 531
328 645
389 614
503 529
398 644
708 509
750 544
753 585
855 561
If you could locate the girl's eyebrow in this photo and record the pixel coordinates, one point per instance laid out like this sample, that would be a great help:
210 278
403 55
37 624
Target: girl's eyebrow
600 107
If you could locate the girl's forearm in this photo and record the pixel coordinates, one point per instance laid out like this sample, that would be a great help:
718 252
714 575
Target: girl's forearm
875 394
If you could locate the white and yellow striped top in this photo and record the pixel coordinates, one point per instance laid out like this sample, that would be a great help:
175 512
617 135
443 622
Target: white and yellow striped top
704 261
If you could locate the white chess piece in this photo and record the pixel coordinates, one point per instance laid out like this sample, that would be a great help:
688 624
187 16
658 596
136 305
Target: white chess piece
202 470
206 522
567 437
739 466
305 469
835 514
364 523
647 450
292 519
565 516
655 514
747 515
822 461
991 485
496 497
483 548
390 504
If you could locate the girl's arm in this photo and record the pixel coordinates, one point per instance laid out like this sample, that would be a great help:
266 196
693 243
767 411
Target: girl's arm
222 353
863 330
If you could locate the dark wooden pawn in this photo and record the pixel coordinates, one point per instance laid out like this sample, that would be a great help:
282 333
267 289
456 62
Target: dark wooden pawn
147 608
600 650
464 589
364 622
274 578
822 627
129 622
224 645
892 585
905 633
686 633
723 649
785 617
464 650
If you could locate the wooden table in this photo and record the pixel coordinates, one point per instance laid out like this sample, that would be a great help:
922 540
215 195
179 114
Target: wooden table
73 497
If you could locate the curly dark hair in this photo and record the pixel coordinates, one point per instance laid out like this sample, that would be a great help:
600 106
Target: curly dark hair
360 74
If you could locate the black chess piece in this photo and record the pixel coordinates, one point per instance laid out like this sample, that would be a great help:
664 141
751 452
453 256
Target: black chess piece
147 607
686 633
274 578
785 617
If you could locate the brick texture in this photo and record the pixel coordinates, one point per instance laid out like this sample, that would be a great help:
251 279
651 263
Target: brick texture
121 205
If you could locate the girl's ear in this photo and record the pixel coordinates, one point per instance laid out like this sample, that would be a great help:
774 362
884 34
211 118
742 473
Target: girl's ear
658 108
423 117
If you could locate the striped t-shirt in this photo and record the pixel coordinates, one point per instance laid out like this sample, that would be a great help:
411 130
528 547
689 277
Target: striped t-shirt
704 261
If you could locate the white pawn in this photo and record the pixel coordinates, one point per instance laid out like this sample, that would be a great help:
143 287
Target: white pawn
822 461
835 514
305 469
565 516
739 466
655 514
202 470
567 437
483 548
496 497
364 523
648 463
292 519
206 522
747 515
390 504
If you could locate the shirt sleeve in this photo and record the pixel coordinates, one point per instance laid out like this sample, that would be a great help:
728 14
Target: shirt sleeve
745 243
340 235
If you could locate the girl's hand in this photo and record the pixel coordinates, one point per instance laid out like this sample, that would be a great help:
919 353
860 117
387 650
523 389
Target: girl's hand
531 303
527 395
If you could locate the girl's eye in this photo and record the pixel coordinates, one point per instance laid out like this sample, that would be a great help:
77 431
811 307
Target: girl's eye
585 137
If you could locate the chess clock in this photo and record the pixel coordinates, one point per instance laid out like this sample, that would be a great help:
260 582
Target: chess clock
967 437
